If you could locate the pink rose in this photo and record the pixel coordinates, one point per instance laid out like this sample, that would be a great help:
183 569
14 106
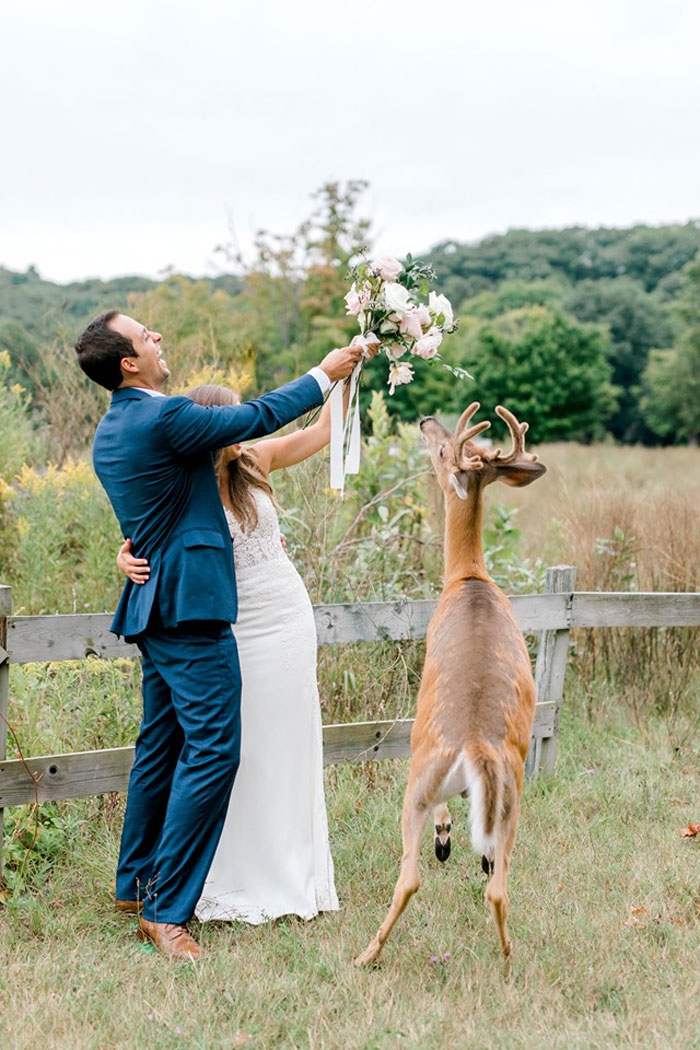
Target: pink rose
387 267
410 325
356 301
427 346
423 315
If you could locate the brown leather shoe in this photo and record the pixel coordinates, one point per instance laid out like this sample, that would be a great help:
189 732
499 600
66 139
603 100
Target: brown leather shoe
171 939
129 907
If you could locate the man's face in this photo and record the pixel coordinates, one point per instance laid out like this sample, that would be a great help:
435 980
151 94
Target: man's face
148 368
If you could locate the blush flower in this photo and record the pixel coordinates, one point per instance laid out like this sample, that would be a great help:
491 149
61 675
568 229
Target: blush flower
387 267
423 315
356 300
399 373
410 325
427 346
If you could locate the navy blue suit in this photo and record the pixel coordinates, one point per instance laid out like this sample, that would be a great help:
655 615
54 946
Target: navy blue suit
154 457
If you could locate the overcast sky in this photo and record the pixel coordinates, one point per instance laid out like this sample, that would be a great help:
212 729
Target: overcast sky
136 133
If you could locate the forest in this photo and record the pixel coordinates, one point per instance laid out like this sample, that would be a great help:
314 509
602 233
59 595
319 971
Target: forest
591 334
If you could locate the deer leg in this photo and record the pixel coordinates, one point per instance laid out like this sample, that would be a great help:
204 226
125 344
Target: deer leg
412 826
497 888
443 827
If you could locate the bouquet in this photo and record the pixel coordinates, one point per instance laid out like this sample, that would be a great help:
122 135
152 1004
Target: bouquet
385 298
389 301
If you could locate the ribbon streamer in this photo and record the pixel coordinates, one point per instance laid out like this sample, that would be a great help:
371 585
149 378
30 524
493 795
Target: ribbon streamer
345 435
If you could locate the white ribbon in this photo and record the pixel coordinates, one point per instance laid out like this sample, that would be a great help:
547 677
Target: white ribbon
345 436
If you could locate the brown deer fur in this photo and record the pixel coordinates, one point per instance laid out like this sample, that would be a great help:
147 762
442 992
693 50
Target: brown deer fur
477 694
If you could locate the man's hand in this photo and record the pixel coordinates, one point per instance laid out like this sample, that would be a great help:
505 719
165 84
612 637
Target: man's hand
137 569
340 363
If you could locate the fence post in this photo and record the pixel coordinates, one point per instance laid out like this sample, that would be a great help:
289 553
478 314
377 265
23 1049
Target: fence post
549 673
5 611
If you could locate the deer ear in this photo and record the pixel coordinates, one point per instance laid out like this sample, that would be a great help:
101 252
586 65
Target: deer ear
520 473
458 481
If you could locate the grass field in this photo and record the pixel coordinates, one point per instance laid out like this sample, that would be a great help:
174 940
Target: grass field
605 892
605 899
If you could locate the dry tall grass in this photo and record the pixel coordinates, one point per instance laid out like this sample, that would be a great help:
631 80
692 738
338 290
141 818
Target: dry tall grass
627 518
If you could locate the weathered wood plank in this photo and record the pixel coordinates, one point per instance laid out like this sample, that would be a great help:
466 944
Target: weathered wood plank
551 668
624 609
87 773
65 776
73 637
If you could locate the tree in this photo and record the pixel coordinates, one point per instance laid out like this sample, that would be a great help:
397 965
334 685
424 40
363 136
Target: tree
637 322
291 306
671 380
543 366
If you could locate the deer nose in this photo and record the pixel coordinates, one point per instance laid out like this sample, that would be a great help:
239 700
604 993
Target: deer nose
426 419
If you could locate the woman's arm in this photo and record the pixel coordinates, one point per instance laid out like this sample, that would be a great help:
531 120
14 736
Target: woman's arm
294 448
137 569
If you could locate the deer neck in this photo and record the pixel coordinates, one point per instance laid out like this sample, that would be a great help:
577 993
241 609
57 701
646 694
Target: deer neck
464 552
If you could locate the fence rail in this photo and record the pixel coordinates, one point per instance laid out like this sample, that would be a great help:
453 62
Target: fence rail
27 639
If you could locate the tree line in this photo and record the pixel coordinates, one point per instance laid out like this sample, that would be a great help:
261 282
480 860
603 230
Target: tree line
587 333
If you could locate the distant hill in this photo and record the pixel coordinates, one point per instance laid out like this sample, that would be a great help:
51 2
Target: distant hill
33 310
651 255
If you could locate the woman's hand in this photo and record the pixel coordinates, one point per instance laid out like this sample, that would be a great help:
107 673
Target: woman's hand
137 569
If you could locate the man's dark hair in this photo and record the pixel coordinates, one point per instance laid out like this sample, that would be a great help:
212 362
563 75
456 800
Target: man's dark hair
100 351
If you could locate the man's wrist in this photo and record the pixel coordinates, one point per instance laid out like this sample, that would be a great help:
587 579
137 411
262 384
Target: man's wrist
321 377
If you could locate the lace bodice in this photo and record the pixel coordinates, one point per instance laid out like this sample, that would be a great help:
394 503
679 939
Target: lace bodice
261 544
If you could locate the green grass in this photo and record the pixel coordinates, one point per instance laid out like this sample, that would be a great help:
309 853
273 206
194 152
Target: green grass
597 841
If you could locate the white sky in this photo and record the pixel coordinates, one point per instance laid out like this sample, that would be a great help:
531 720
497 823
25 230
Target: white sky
135 131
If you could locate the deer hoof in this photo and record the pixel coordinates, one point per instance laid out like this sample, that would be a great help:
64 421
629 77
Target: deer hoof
369 955
442 849
486 866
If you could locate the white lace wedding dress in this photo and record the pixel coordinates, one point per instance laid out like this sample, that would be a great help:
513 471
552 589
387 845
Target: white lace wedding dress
273 857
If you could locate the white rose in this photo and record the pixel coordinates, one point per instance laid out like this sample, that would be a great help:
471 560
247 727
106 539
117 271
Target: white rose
440 304
397 299
387 267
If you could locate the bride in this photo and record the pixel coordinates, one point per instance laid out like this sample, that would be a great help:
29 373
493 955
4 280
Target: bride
273 858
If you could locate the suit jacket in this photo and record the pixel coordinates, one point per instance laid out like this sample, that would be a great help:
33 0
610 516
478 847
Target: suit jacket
154 457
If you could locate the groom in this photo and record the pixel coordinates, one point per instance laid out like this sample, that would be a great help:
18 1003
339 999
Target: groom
153 455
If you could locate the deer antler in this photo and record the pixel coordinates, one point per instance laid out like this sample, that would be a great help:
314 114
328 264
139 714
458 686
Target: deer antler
517 433
464 434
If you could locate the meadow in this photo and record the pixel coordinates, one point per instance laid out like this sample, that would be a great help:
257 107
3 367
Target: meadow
605 891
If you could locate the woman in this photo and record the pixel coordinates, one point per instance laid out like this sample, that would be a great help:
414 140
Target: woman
273 857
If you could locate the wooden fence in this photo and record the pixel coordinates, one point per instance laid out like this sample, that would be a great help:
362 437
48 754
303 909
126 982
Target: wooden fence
27 639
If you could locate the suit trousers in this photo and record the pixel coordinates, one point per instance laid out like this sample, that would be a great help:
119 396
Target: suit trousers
186 760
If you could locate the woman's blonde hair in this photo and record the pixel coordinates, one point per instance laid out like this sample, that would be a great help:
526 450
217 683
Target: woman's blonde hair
239 475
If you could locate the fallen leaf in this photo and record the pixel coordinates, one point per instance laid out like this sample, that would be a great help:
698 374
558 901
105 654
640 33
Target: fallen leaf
691 831
678 922
637 918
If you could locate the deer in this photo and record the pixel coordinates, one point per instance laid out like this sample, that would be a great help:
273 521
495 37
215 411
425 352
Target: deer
476 699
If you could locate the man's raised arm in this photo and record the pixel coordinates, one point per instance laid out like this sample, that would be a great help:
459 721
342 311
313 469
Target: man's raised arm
192 428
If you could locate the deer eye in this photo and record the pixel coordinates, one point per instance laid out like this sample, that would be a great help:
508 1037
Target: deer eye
441 452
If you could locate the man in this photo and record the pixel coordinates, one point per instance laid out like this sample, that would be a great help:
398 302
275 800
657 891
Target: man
153 455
